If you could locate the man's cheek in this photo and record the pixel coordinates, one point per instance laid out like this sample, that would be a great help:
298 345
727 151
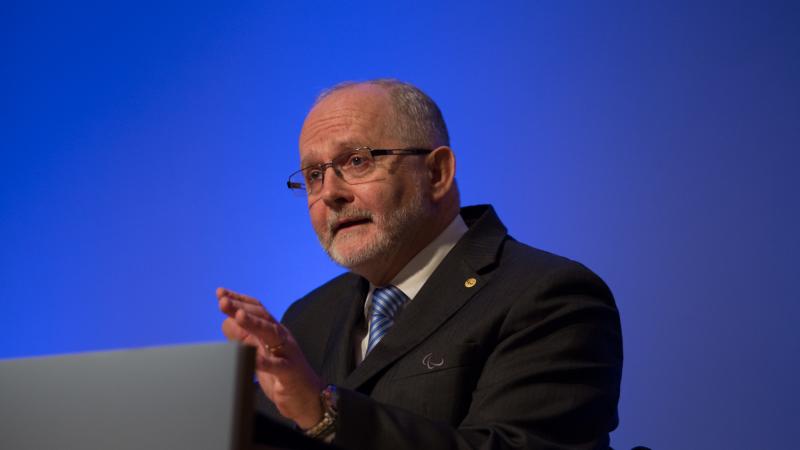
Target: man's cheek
321 230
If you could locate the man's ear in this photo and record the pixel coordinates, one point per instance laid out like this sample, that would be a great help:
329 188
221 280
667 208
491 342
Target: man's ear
441 164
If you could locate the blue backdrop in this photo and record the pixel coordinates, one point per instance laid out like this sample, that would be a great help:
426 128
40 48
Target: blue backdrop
145 149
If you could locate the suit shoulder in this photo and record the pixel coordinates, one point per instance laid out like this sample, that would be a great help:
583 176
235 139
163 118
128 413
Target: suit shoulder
543 269
323 298
523 254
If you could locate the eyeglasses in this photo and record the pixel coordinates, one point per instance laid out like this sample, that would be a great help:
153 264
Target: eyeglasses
354 167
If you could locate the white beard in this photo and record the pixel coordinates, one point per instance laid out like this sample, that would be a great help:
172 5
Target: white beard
393 230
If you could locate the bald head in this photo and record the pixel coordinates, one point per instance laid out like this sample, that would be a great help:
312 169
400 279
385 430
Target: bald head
415 118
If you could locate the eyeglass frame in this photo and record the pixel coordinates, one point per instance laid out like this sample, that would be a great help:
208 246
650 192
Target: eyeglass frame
373 152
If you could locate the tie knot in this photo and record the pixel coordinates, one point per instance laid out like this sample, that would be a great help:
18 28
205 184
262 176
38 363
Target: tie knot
387 301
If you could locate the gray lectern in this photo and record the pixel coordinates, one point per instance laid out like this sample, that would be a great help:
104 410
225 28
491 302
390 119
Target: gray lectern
194 397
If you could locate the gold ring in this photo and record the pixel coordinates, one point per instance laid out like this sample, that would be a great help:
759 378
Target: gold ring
274 348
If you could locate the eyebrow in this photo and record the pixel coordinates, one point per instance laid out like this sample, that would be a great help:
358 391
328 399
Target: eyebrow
343 146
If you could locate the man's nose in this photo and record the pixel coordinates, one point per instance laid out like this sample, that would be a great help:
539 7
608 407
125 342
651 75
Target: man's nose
335 191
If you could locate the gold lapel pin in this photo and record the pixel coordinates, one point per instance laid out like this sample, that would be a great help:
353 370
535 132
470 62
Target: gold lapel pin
471 282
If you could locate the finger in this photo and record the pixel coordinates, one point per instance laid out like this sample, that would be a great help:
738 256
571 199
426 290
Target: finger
223 292
267 362
229 306
242 299
268 331
226 306
233 331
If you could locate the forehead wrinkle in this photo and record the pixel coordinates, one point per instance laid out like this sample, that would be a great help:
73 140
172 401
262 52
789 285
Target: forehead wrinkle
342 118
347 126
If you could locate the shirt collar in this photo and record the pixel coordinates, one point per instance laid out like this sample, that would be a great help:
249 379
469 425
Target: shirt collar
414 275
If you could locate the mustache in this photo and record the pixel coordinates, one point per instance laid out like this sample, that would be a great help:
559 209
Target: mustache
347 213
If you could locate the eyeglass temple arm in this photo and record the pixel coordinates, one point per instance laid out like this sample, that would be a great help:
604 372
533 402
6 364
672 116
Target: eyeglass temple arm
402 151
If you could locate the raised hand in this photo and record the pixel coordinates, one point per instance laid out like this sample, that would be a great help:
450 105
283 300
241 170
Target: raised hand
283 371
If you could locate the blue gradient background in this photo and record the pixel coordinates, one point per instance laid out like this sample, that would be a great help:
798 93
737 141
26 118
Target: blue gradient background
145 148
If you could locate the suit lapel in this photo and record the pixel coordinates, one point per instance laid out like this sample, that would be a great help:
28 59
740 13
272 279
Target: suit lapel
339 358
452 284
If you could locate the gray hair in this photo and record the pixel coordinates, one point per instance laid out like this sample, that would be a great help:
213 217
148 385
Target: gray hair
419 120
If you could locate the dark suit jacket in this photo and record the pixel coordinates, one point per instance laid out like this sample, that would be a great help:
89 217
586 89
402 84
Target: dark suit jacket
528 357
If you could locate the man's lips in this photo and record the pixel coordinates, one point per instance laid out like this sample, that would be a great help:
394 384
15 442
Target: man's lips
348 223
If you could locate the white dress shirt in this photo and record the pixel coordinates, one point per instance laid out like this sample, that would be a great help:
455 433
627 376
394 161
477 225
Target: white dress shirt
414 275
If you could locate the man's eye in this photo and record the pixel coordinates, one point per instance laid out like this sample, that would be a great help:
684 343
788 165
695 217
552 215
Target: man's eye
355 161
359 162
313 175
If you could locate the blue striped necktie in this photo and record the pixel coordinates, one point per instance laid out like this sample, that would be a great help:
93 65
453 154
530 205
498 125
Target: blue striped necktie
386 303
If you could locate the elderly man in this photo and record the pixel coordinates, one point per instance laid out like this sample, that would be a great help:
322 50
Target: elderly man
445 333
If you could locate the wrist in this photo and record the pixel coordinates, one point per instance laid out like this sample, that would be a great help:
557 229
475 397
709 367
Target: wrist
311 411
328 402
311 415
